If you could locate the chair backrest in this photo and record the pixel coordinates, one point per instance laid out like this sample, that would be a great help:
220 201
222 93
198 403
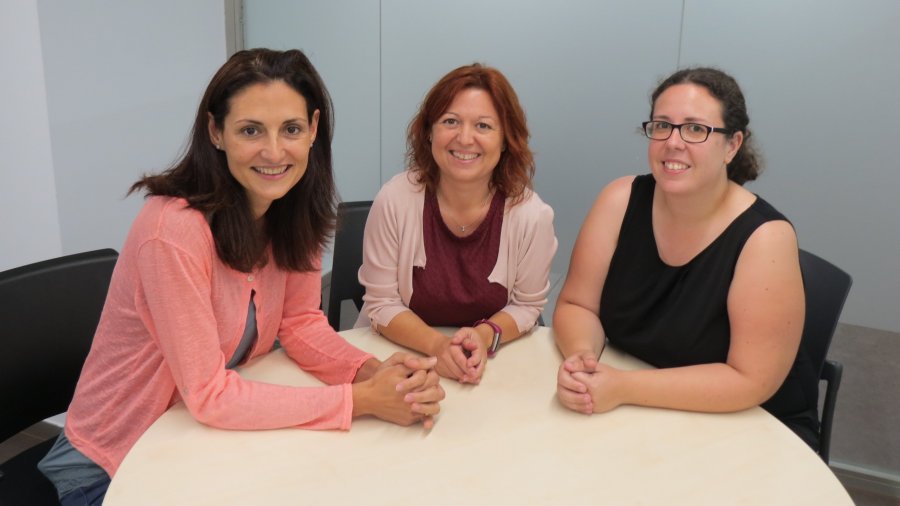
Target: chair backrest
826 288
348 254
48 314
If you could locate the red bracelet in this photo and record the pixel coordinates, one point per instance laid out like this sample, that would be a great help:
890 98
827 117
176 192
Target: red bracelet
495 343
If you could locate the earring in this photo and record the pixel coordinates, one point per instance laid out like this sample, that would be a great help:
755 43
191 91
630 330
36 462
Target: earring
218 147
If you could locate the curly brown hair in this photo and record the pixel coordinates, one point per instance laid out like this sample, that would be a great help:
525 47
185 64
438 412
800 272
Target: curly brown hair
515 170
746 164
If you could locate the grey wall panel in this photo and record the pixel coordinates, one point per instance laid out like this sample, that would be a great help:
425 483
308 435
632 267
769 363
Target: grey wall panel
342 40
821 85
584 93
123 83
582 70
28 213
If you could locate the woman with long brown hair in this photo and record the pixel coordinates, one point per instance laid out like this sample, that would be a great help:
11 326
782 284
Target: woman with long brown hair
224 257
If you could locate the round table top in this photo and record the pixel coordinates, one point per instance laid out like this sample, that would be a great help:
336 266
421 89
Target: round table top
505 441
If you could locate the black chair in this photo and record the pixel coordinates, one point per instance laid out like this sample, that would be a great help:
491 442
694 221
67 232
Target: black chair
826 288
348 250
48 314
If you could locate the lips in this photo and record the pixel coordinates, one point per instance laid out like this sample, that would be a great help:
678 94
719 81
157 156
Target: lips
272 171
676 166
464 156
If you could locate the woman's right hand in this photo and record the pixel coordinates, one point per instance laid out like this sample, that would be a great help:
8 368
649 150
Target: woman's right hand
571 392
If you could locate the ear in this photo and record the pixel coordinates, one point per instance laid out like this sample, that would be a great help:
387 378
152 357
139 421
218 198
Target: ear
214 134
733 145
313 126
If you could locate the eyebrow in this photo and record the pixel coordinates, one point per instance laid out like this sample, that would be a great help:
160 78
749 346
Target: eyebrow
479 117
285 122
689 119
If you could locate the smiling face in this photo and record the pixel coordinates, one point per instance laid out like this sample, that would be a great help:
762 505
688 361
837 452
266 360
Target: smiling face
467 140
680 166
266 137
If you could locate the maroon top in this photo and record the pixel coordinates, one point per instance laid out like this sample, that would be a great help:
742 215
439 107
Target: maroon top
453 289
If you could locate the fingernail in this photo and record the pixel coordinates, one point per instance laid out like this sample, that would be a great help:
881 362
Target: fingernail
408 398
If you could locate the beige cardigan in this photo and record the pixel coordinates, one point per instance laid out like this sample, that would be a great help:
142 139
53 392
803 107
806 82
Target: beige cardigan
393 244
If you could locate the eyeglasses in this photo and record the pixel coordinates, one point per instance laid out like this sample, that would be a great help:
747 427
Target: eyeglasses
690 132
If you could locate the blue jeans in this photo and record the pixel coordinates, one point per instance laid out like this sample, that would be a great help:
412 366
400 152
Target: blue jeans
78 479
91 495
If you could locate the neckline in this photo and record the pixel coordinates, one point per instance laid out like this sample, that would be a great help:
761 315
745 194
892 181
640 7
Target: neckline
477 230
706 248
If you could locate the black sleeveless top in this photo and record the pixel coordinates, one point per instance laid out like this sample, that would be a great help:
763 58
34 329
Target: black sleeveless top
678 316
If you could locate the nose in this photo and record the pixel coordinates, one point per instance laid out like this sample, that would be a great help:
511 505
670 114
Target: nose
675 139
465 136
273 150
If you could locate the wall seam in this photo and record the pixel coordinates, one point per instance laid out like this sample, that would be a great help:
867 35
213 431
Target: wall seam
680 35
380 99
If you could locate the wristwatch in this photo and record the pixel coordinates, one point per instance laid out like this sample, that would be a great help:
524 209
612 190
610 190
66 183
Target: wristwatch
495 343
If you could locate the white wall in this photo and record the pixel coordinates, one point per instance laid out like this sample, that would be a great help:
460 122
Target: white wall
340 38
820 79
123 83
821 84
29 223
103 91
94 93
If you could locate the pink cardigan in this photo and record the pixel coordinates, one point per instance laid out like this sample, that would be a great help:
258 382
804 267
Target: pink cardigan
174 316
393 244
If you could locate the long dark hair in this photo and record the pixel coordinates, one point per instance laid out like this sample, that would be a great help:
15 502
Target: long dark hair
297 225
746 164
515 169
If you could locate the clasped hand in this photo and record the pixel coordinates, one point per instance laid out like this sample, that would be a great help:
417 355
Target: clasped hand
404 389
462 357
585 385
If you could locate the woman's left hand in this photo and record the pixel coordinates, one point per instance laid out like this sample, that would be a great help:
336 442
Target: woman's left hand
469 342
422 385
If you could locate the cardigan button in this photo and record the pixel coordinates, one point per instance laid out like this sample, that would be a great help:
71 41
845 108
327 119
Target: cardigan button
250 277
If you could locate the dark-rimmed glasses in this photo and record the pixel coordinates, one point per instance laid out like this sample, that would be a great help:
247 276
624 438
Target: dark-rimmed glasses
690 132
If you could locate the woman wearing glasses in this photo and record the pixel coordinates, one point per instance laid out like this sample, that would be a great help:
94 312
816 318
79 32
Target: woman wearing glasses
690 272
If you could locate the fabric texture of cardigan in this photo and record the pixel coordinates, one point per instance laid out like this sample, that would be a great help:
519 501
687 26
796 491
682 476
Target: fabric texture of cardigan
393 245
174 315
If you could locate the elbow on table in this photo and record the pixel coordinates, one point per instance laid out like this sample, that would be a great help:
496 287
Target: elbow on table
213 411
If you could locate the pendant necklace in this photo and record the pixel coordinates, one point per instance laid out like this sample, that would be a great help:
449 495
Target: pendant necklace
463 228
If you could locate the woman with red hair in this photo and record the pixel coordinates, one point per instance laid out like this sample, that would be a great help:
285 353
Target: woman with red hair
460 239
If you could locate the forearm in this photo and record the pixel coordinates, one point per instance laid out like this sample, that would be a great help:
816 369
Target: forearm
716 388
407 329
577 330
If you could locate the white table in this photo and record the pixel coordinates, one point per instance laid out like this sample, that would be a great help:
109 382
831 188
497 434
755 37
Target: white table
506 441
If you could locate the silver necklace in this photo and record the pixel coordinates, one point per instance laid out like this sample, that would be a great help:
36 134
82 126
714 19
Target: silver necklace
463 228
